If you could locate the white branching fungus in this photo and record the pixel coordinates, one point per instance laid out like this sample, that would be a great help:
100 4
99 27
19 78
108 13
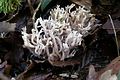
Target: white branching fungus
63 30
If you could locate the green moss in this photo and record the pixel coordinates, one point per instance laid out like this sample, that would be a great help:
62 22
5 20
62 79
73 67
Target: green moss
9 6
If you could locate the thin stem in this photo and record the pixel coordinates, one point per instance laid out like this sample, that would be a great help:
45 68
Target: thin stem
35 11
13 15
115 34
31 7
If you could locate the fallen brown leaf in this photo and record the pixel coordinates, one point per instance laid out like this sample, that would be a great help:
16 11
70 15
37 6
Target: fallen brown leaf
65 63
109 28
114 66
109 71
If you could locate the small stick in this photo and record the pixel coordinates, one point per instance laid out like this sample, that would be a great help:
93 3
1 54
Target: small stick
35 11
115 34
30 6
13 15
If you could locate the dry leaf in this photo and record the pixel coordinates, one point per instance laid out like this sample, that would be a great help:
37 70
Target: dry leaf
39 77
106 75
92 73
114 66
113 77
65 63
108 26
6 27
86 3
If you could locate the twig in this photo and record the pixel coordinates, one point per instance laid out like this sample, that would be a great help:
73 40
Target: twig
3 77
35 11
13 15
115 34
22 75
31 7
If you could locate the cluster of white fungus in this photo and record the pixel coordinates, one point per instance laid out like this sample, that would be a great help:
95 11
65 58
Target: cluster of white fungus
63 30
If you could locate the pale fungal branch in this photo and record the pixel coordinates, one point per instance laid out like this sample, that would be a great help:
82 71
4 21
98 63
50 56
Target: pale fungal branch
63 30
115 34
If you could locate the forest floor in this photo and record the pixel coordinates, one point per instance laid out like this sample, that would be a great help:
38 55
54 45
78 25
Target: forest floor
99 56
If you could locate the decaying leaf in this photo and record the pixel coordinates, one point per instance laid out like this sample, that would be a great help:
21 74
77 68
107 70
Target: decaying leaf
106 2
92 73
39 77
65 63
6 27
86 3
112 68
111 72
109 28
106 75
113 77
3 77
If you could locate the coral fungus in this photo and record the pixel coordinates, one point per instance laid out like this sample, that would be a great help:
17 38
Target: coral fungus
63 30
